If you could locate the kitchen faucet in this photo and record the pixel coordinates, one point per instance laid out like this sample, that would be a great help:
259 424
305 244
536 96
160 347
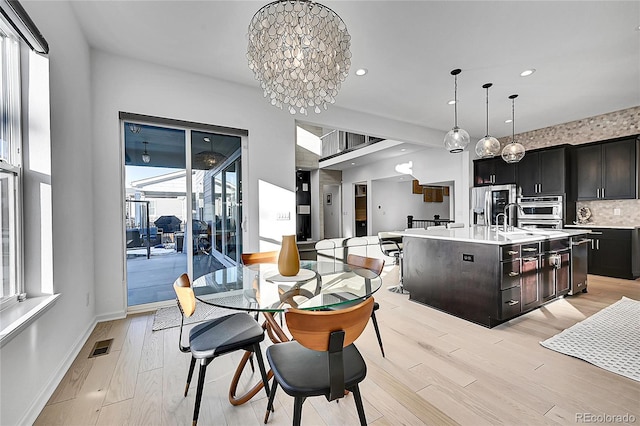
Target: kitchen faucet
504 222
506 215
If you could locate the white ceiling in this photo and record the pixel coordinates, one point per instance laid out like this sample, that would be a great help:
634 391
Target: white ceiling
587 54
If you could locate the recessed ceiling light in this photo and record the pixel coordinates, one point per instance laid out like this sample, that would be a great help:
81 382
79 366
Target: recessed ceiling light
527 73
508 121
353 164
403 149
452 102
361 71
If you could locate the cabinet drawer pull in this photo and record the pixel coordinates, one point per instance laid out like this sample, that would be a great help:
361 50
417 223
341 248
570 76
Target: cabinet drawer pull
512 302
602 192
529 249
513 274
512 253
530 259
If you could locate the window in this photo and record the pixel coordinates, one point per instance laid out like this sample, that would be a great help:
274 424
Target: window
10 165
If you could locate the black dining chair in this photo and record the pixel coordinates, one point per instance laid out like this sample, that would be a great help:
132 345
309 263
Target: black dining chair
216 337
376 265
322 359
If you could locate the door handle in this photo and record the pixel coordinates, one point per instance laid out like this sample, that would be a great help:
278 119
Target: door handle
513 274
602 192
512 302
512 253
598 193
597 244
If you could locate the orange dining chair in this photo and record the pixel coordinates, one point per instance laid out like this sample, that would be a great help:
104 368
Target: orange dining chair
322 360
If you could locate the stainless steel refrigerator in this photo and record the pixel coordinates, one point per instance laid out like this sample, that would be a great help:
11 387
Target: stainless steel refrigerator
488 201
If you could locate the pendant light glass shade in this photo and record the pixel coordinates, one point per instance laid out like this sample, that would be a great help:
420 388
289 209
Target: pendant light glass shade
146 158
299 51
513 152
487 146
457 139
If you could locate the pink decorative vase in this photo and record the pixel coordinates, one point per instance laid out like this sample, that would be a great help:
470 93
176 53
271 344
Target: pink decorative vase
289 258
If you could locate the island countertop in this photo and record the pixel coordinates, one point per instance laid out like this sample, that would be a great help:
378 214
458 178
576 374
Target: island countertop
489 235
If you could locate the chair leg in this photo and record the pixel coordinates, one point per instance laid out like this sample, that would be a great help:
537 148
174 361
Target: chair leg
201 373
297 410
253 369
375 326
190 375
358 399
263 371
272 396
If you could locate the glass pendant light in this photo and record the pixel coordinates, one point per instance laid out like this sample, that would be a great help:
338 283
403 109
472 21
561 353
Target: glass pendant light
457 139
145 155
513 152
487 146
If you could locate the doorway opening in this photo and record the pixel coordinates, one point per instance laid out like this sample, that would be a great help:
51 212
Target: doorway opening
360 209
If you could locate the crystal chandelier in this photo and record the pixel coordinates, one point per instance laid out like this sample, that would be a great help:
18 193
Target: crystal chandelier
457 139
513 152
487 146
299 51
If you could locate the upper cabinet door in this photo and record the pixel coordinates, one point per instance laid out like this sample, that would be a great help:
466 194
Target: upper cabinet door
482 172
543 172
528 174
551 165
619 170
588 172
504 172
607 171
493 171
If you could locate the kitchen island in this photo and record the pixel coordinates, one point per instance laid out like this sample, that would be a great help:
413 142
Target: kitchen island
485 275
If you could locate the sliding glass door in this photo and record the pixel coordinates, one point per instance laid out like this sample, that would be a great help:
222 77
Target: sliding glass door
168 232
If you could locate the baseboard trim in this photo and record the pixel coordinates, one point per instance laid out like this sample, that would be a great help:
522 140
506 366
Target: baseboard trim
41 400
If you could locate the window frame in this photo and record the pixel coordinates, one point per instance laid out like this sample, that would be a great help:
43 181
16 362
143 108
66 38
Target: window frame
11 160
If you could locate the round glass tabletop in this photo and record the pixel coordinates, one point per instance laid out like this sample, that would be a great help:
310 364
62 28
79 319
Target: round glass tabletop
260 287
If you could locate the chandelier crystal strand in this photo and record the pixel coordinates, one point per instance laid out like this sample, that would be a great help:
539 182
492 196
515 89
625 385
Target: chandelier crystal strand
299 51
457 139
488 146
513 152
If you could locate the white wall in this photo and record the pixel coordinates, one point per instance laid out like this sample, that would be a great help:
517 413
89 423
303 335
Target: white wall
33 362
393 201
429 166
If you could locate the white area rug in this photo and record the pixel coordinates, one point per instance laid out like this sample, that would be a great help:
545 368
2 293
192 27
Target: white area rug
609 339
170 317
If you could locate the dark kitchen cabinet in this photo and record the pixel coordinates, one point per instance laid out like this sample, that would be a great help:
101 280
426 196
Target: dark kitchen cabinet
493 171
530 276
543 172
607 170
614 253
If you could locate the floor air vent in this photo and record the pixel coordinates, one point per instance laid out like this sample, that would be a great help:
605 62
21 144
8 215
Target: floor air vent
101 348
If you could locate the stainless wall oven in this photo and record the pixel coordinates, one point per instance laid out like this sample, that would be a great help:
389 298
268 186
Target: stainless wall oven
541 212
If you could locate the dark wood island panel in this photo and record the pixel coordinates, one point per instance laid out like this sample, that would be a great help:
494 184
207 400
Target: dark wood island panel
460 278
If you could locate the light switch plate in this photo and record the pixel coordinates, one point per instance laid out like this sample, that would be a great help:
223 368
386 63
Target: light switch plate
616 212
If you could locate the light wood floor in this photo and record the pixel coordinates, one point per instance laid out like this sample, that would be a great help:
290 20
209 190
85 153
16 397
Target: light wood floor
439 370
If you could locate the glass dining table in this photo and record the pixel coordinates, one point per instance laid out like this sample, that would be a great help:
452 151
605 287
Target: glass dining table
259 288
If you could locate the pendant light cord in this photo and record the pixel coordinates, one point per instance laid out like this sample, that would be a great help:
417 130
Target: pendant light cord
513 120
455 100
487 113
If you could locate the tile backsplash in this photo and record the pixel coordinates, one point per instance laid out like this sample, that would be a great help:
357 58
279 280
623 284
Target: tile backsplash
602 212
598 128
